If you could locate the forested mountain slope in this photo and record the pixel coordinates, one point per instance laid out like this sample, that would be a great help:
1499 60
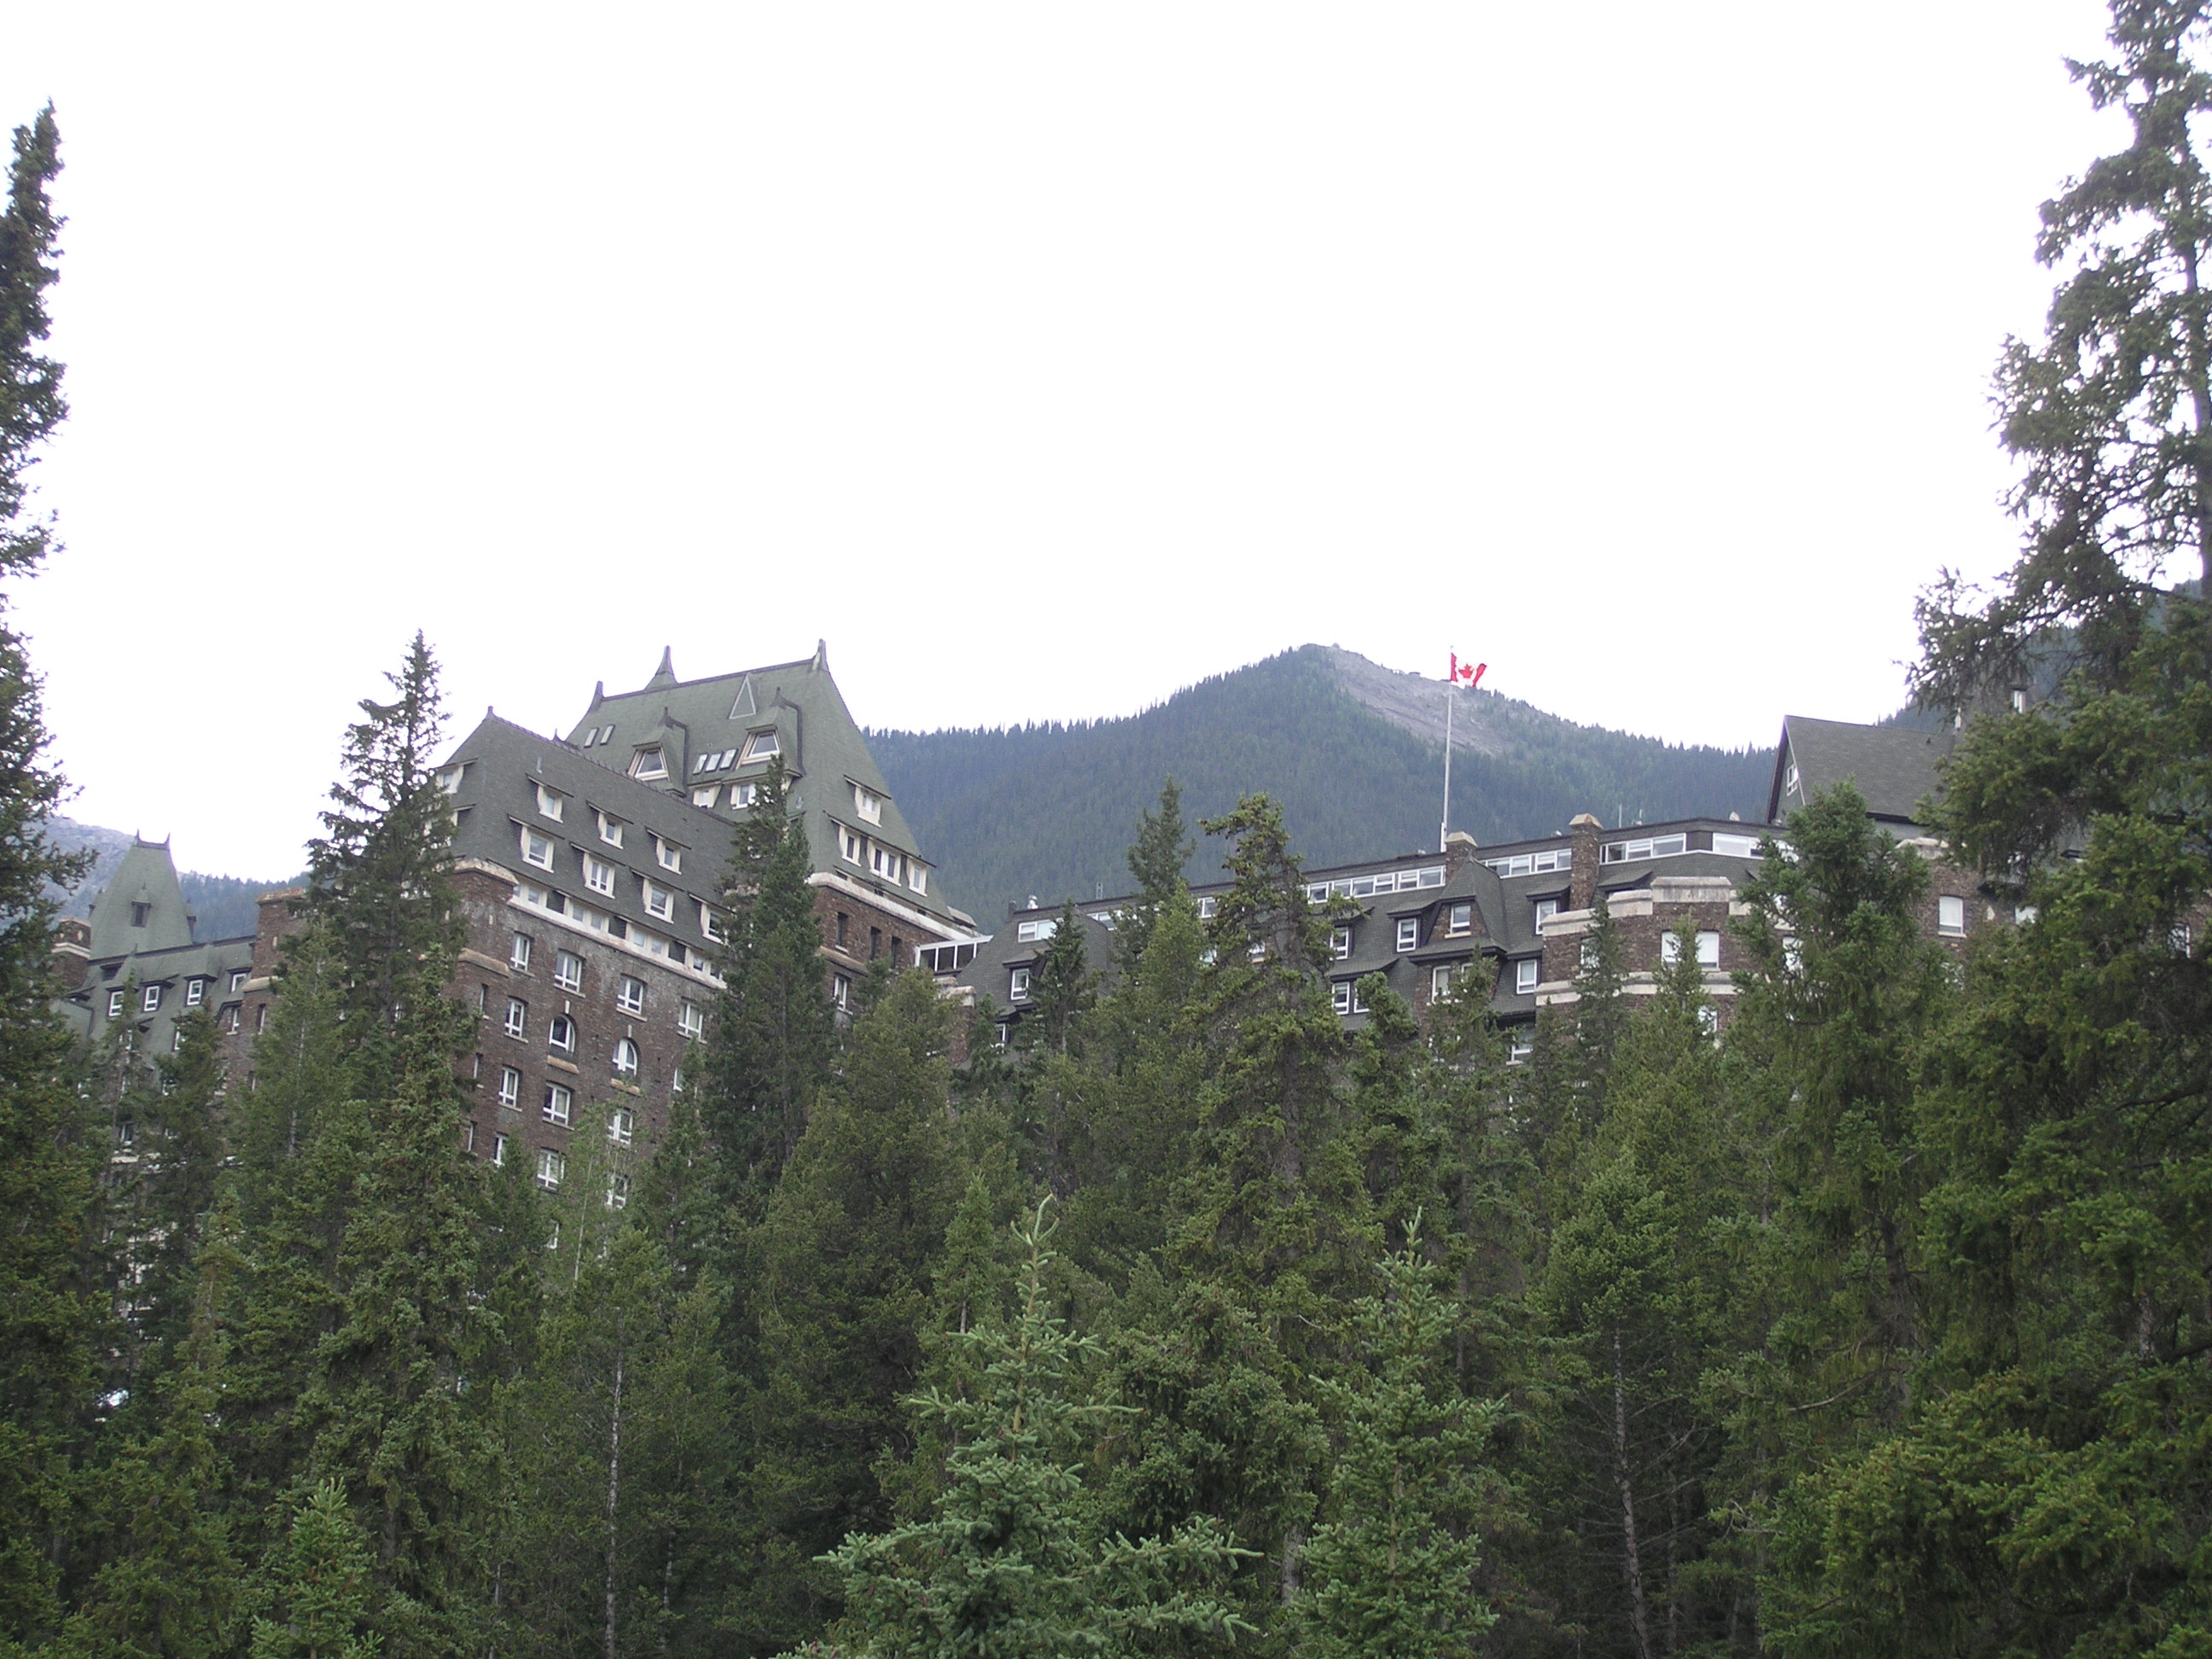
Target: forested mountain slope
1353 750
223 906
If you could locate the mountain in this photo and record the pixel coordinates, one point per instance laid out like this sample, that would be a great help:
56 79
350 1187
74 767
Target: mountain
1353 751
223 906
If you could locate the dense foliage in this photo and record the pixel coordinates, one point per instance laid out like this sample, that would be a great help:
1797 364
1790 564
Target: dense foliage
1058 798
1875 1318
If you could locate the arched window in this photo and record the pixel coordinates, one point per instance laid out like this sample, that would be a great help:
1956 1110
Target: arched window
625 1058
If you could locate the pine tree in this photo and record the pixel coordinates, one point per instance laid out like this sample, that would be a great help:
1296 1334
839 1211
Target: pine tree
181 1149
1010 1563
1391 1572
50 1303
774 1029
1156 859
320 1583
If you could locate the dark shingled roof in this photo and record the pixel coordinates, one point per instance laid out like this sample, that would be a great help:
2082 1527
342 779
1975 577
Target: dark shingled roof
1893 766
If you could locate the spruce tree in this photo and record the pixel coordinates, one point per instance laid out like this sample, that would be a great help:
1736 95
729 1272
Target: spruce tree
320 1585
1156 859
51 1307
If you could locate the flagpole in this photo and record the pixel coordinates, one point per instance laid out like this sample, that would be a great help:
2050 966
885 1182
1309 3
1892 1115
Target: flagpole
1444 827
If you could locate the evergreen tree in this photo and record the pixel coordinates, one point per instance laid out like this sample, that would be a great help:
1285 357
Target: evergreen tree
180 1150
50 1299
1010 1563
1156 859
774 1029
1391 1572
320 1584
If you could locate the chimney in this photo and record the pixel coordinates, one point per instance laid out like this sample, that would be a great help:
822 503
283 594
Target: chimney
1459 852
1582 887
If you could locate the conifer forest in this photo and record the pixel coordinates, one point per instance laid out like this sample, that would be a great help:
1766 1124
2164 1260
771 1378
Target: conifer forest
1878 1320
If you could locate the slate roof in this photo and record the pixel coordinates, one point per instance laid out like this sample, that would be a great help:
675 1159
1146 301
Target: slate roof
1893 766
160 951
822 746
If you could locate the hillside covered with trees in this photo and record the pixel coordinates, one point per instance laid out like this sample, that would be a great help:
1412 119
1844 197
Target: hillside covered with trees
1042 809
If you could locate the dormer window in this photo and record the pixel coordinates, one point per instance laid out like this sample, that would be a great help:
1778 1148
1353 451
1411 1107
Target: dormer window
139 913
195 993
713 762
763 745
849 845
536 848
450 779
599 875
660 901
917 877
1459 919
868 803
885 862
152 999
667 854
706 797
649 763
610 830
548 802
115 1004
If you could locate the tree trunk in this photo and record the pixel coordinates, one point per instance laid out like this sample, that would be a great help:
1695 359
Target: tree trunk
614 1494
1632 1551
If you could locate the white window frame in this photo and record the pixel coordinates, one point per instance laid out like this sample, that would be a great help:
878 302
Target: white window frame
886 862
621 1126
1036 932
498 1151
555 1040
643 772
518 955
536 848
238 977
1339 944
518 1017
709 923
1409 934
195 993
851 845
917 876
149 999
705 797
625 1058
568 970
560 1105
551 1168
510 1086
690 1019
629 994
1546 910
660 902
1018 985
610 830
1340 996
618 1190
598 874
115 1001
1709 947
763 745
1443 980
550 803
668 855
1527 971
1951 916
868 803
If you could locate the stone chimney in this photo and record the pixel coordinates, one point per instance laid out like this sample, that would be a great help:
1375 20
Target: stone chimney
1459 852
1582 887
71 953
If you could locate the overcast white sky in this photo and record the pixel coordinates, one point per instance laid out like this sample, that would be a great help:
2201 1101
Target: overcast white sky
1043 358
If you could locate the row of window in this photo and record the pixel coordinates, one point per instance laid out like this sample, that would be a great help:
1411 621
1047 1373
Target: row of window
150 997
615 927
1388 881
742 795
561 1031
552 804
560 1105
552 1170
1533 864
887 863
603 877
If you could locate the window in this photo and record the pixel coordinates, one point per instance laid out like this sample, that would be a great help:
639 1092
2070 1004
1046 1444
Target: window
917 877
1709 1019
152 999
691 1019
1546 910
713 761
560 1102
875 942
1359 999
1790 780
483 998
568 970
2020 700
1208 906
868 805
840 991
195 993
518 1017
1409 933
139 914
598 874
706 797
630 995
552 1166
498 1150
660 902
261 1019
1950 915
1029 932
610 830
844 923
1648 847
1709 949
1734 846
743 795
550 802
1459 919
230 1020
562 1034
676 1081
761 745
237 981
1018 986
1339 944
115 1004
667 854
510 1086
885 862
469 1136
621 1126
710 924
1519 1047
618 1190
1340 996
1389 881
450 779
519 954
1444 978
176 1046
1524 975
598 734
2022 914
1534 864
537 849
849 845
648 762
625 1058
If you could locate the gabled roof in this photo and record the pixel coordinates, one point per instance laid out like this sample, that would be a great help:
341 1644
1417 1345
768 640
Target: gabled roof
146 877
1894 767
821 746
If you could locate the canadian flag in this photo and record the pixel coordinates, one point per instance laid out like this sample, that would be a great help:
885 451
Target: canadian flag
1470 672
